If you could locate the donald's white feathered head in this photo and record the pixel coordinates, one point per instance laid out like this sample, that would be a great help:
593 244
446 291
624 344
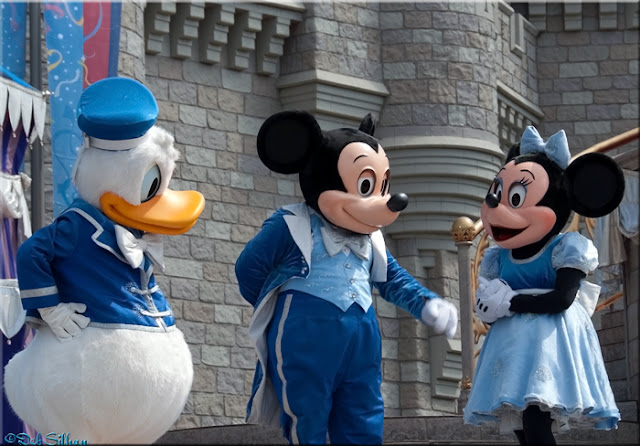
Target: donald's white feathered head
126 163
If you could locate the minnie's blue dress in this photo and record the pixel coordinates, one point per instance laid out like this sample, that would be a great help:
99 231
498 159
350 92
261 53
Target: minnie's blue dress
553 361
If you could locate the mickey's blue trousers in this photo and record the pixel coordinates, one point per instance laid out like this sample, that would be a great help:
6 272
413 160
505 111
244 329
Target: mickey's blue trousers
326 368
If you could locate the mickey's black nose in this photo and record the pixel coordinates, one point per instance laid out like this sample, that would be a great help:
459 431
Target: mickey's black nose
492 200
397 202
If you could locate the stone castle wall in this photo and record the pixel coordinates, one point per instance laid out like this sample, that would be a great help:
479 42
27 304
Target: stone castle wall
438 76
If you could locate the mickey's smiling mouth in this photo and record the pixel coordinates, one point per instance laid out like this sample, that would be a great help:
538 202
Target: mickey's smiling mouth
501 234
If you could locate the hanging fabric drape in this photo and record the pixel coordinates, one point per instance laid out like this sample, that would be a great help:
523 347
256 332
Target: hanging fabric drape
23 112
22 119
610 232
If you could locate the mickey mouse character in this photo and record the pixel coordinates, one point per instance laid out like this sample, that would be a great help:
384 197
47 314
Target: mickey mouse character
541 368
309 274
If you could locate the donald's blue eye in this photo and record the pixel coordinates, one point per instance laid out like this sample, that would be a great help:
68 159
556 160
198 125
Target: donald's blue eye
150 184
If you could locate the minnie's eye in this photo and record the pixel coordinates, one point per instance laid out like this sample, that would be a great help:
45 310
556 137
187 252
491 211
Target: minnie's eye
150 184
517 194
497 190
366 183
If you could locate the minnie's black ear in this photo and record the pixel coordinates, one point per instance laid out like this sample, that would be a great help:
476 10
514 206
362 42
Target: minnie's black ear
287 139
595 184
513 152
368 125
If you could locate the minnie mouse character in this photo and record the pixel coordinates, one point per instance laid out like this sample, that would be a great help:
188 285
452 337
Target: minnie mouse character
309 274
541 368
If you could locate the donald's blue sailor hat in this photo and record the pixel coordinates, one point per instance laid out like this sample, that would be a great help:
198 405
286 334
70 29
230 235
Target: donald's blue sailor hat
116 113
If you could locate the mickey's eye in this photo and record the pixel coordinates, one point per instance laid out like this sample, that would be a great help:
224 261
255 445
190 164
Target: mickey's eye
150 184
384 189
517 194
366 183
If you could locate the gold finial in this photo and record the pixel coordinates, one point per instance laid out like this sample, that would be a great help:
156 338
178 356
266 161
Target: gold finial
463 230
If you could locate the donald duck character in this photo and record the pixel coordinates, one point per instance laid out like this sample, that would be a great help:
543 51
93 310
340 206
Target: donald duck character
107 364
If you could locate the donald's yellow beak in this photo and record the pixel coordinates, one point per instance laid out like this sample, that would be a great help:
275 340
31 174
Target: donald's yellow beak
172 213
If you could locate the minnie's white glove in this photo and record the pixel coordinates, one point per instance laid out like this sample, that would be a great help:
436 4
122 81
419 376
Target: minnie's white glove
493 299
65 319
441 315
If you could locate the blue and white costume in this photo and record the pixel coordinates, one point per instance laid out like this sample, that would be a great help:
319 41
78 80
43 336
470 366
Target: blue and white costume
53 268
107 364
550 360
314 328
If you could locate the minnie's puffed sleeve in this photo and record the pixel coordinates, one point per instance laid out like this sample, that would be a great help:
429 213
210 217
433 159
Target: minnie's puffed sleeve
575 251
36 259
573 258
490 265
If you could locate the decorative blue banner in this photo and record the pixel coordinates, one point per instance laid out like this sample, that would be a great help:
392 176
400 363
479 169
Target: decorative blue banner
82 48
65 63
13 26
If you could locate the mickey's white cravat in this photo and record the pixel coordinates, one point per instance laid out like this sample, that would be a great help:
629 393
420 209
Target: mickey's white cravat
335 240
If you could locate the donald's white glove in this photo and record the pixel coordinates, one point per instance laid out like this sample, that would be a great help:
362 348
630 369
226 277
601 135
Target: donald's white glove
441 315
65 319
493 299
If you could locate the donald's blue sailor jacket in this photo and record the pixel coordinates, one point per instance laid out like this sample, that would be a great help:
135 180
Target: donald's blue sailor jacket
282 250
76 259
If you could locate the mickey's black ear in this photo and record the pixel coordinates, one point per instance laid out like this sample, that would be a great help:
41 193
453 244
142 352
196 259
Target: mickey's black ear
595 184
287 139
368 125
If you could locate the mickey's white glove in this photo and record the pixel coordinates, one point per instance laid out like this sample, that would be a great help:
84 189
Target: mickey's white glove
441 315
65 319
493 299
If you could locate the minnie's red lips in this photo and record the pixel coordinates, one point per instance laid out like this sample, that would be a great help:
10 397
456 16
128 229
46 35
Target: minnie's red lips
501 234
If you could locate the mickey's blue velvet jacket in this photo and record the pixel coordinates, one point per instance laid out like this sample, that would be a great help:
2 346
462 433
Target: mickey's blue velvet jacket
282 250
76 259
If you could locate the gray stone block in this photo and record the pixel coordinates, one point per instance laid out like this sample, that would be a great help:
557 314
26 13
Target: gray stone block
321 25
467 93
602 112
426 36
222 335
597 83
395 36
471 55
571 112
243 358
216 356
476 118
184 288
570 84
368 18
445 20
614 68
457 115
579 69
429 114
418 19
611 97
574 98
629 111
589 53
442 91
229 381
233 80
460 71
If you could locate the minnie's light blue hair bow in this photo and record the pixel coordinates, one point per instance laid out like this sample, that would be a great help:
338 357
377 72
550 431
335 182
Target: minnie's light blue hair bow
556 148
